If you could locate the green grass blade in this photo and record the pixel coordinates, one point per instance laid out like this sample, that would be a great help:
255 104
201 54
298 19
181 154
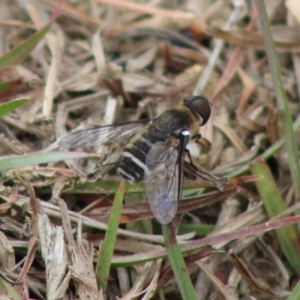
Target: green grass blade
107 247
282 101
295 294
7 289
18 161
274 204
7 107
199 229
19 53
178 264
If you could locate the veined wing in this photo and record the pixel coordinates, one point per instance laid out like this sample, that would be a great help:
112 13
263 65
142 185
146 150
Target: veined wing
163 181
101 135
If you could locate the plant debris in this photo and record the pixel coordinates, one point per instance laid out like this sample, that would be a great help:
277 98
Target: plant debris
105 62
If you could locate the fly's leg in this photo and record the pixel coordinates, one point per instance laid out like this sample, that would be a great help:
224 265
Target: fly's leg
205 175
196 137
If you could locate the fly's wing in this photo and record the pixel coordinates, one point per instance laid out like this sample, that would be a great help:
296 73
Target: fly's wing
102 135
163 181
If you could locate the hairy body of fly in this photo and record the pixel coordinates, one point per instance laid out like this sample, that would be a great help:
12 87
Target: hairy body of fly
169 124
155 152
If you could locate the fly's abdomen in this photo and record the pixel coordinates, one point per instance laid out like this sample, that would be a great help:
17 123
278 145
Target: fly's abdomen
132 164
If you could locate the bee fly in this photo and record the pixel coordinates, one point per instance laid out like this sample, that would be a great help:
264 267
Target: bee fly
155 152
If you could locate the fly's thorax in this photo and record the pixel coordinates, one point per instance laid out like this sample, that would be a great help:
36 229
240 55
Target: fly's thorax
173 121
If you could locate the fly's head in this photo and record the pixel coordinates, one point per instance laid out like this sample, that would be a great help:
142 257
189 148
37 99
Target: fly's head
200 107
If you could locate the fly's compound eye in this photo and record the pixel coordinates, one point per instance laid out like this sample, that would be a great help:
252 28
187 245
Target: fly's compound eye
200 107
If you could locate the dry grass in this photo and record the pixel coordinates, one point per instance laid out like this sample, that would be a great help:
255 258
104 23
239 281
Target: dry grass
105 62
